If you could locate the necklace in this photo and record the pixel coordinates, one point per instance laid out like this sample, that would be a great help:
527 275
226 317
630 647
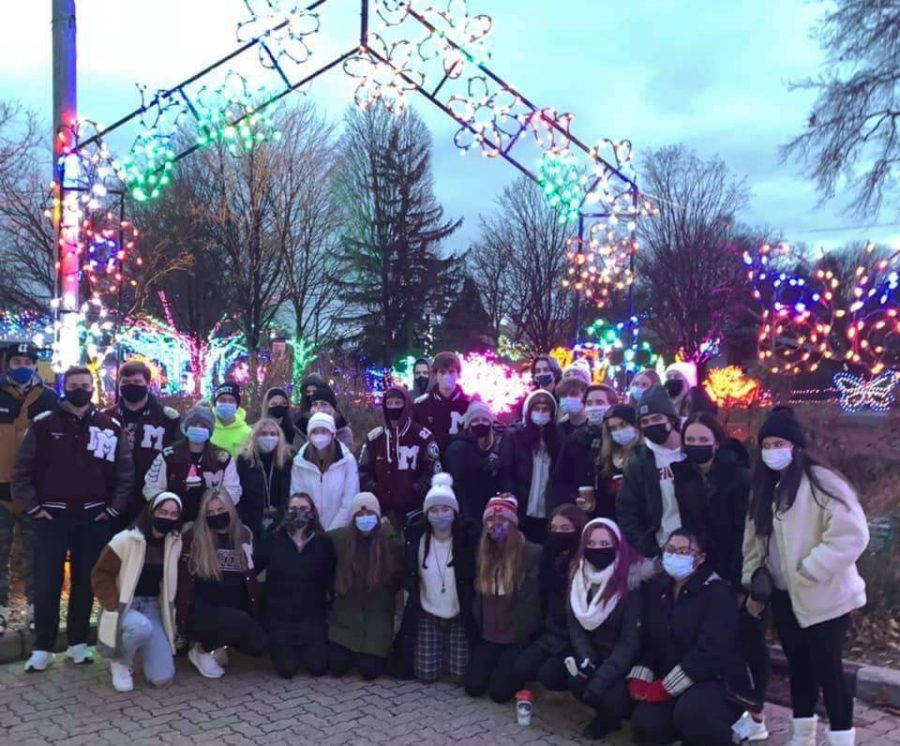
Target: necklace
442 573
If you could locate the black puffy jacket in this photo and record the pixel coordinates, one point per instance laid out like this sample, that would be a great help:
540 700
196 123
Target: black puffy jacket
476 473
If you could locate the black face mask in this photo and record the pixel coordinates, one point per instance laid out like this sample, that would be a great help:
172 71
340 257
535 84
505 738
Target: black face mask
600 558
658 434
297 519
278 412
421 383
393 413
560 541
219 521
79 397
543 379
165 525
133 392
481 431
674 387
699 454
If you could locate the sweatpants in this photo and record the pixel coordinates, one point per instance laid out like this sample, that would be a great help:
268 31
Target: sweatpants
815 661
217 626
287 660
611 704
441 645
492 669
77 533
10 525
341 661
754 649
543 661
143 632
701 716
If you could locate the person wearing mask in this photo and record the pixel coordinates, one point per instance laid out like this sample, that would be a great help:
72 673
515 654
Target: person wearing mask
649 505
570 393
398 459
545 373
579 455
193 465
135 580
277 406
322 400
74 474
604 612
643 380
473 460
805 532
507 602
527 456
218 600
299 562
149 426
680 382
308 387
543 660
264 468
326 470
438 623
441 410
232 430
421 377
688 667
23 396
369 573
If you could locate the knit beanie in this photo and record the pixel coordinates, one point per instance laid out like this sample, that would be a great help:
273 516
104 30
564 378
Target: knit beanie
446 360
276 391
623 412
505 507
325 393
781 423
441 492
579 369
688 370
200 414
229 387
530 399
656 400
320 419
477 408
162 497
365 500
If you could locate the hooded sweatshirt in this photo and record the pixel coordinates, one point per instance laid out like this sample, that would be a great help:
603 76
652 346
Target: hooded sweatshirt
443 416
397 463
233 436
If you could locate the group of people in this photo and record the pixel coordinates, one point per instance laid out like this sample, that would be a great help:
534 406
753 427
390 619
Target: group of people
620 547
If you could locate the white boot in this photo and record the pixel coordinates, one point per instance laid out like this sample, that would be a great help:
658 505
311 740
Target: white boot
841 737
803 731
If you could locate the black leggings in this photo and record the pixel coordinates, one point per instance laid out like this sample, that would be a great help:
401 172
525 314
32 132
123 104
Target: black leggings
341 660
701 716
288 659
612 704
492 669
217 626
537 662
815 661
755 650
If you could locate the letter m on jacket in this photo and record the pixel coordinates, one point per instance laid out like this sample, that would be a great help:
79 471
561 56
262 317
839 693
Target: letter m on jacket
408 457
103 443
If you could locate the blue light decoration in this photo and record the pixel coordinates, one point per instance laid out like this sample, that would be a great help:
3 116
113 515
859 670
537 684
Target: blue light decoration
857 393
29 326
622 346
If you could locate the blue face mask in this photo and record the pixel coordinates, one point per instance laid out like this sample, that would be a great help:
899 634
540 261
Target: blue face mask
21 376
636 393
226 411
678 566
197 434
624 435
441 522
366 523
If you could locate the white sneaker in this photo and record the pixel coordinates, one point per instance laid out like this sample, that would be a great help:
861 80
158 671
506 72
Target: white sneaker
221 656
80 654
205 663
39 661
748 729
122 679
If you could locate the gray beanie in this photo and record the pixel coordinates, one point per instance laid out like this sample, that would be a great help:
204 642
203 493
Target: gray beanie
200 414
656 400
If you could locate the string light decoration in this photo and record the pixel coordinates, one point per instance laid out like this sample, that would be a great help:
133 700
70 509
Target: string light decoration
487 118
29 326
500 386
284 26
302 356
858 393
603 265
230 114
511 350
621 345
563 182
457 37
386 73
731 387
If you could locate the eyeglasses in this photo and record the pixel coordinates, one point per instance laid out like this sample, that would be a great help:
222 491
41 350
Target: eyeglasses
681 551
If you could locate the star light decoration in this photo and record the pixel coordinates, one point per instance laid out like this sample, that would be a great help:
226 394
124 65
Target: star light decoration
858 393
731 387
386 73
229 114
284 26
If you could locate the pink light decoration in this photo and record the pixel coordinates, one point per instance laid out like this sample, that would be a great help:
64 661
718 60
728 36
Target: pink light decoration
496 384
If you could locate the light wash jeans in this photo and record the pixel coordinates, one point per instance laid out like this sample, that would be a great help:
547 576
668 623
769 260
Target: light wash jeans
142 630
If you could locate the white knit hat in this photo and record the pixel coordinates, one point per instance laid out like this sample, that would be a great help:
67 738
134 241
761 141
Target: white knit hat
365 500
321 419
441 492
687 370
580 369
161 497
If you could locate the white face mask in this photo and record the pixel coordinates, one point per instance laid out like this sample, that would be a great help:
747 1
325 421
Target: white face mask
624 435
540 418
777 459
447 381
267 443
595 413
571 404
320 440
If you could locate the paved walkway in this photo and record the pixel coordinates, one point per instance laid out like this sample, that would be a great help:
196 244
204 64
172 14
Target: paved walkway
251 705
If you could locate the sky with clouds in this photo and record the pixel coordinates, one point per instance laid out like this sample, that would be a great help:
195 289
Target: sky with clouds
711 75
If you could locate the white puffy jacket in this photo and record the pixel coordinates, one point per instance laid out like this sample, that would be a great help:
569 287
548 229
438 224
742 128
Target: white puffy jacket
333 491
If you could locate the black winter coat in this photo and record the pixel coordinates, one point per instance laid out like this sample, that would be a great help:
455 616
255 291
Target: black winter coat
553 582
476 473
526 602
254 496
297 587
577 467
517 464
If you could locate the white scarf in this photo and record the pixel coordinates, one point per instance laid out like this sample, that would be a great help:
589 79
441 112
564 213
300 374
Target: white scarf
591 615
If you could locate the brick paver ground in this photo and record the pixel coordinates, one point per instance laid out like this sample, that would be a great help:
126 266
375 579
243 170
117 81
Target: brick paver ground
250 705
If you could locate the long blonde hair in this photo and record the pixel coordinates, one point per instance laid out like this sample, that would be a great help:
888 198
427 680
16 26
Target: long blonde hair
251 452
204 562
500 563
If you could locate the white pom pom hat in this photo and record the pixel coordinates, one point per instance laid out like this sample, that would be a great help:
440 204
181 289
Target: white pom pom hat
441 492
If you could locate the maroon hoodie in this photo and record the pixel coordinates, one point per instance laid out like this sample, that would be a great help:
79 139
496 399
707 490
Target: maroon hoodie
442 416
397 463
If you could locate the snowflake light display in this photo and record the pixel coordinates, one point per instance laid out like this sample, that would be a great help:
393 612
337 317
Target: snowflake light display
230 114
284 26
456 37
487 118
563 182
386 73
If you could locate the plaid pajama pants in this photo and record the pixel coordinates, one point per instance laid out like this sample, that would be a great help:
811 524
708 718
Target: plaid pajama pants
441 644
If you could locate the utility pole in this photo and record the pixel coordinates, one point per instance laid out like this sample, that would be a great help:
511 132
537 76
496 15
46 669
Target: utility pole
65 205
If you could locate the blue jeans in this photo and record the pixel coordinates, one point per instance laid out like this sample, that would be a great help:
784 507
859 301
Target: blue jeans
143 631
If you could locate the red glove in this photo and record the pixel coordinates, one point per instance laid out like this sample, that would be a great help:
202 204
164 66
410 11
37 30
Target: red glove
656 692
637 688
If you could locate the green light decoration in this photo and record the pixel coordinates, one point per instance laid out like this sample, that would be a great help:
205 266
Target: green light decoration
228 115
302 356
563 182
147 169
